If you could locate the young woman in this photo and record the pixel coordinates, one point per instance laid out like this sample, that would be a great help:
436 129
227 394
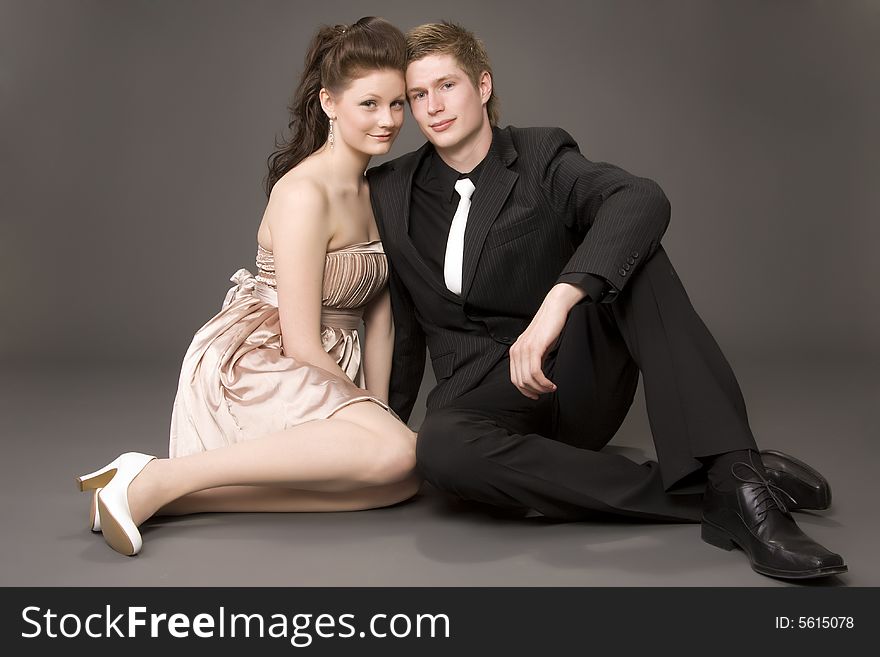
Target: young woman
278 407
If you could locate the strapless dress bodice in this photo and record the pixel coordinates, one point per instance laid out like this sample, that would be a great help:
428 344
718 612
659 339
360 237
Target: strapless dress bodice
353 275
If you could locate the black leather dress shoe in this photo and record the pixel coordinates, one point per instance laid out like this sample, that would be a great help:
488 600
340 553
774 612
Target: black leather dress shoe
754 517
805 487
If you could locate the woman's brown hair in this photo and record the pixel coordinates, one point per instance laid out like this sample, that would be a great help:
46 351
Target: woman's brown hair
336 56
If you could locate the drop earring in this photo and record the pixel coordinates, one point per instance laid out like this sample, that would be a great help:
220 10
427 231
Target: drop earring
330 138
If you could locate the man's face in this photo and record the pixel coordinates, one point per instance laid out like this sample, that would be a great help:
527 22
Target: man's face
444 102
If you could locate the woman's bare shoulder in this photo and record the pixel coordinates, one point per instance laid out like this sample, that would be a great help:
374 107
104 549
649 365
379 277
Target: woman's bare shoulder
300 188
298 199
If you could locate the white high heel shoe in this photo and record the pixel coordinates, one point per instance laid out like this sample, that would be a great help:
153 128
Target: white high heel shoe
112 510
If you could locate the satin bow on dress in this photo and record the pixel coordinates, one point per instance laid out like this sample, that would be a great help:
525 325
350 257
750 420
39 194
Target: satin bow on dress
237 384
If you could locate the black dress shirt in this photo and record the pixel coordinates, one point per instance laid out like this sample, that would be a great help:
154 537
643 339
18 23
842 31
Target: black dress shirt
434 202
433 205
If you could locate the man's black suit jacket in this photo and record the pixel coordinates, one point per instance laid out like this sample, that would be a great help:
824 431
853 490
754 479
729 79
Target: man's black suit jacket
541 211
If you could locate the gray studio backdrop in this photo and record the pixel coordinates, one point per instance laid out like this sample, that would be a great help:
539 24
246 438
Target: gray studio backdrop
134 137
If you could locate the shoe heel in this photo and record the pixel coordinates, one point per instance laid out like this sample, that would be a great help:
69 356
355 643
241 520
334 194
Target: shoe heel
117 525
716 537
94 516
98 478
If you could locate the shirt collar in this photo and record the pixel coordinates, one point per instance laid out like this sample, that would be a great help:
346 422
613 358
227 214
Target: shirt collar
446 177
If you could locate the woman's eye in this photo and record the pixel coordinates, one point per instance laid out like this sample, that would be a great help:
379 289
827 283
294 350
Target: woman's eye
398 103
369 103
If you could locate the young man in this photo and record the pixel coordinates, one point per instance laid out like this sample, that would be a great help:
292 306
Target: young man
537 282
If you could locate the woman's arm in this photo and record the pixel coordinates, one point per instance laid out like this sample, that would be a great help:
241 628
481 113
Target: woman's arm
378 345
300 229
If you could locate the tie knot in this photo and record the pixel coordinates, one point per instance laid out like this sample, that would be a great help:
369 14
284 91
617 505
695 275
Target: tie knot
465 187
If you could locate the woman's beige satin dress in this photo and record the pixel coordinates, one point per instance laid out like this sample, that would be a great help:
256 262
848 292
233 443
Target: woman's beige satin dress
236 384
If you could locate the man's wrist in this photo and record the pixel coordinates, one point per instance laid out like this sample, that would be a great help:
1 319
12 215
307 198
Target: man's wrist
565 296
594 286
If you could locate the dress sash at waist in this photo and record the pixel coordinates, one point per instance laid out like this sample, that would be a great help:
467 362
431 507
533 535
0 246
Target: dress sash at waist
341 318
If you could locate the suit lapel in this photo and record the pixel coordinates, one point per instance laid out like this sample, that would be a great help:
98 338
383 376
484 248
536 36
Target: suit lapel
396 196
496 183
399 203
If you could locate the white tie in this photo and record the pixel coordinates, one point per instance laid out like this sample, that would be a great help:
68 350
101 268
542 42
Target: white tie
455 243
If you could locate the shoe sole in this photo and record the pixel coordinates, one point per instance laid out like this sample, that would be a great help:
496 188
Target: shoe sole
113 532
721 538
819 480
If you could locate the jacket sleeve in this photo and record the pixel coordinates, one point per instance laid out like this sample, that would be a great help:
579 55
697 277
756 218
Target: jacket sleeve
620 216
408 359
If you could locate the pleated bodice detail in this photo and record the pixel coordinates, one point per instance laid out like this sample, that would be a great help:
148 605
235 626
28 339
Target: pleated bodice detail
353 275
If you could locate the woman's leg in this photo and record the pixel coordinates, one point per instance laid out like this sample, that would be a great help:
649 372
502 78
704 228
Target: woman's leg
360 446
275 499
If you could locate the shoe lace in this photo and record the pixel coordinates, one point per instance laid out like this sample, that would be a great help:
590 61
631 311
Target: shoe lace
768 495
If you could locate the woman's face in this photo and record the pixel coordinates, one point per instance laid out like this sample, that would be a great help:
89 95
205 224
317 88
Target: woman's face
369 112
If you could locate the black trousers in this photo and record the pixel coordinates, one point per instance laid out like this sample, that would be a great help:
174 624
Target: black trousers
495 446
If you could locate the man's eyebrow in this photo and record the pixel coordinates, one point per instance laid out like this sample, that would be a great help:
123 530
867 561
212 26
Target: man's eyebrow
433 83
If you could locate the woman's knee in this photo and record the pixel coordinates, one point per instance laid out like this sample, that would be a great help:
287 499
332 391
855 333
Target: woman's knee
390 444
394 454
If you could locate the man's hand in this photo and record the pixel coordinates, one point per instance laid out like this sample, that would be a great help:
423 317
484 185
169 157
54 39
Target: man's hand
527 353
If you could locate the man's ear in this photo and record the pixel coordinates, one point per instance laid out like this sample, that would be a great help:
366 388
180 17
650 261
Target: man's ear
485 86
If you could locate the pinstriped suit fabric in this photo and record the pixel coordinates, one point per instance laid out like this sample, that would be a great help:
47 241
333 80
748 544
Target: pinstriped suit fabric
541 210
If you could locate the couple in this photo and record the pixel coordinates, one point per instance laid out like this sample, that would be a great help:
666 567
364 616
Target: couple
534 277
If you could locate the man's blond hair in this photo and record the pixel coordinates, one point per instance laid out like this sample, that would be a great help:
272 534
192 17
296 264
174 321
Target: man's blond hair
447 38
